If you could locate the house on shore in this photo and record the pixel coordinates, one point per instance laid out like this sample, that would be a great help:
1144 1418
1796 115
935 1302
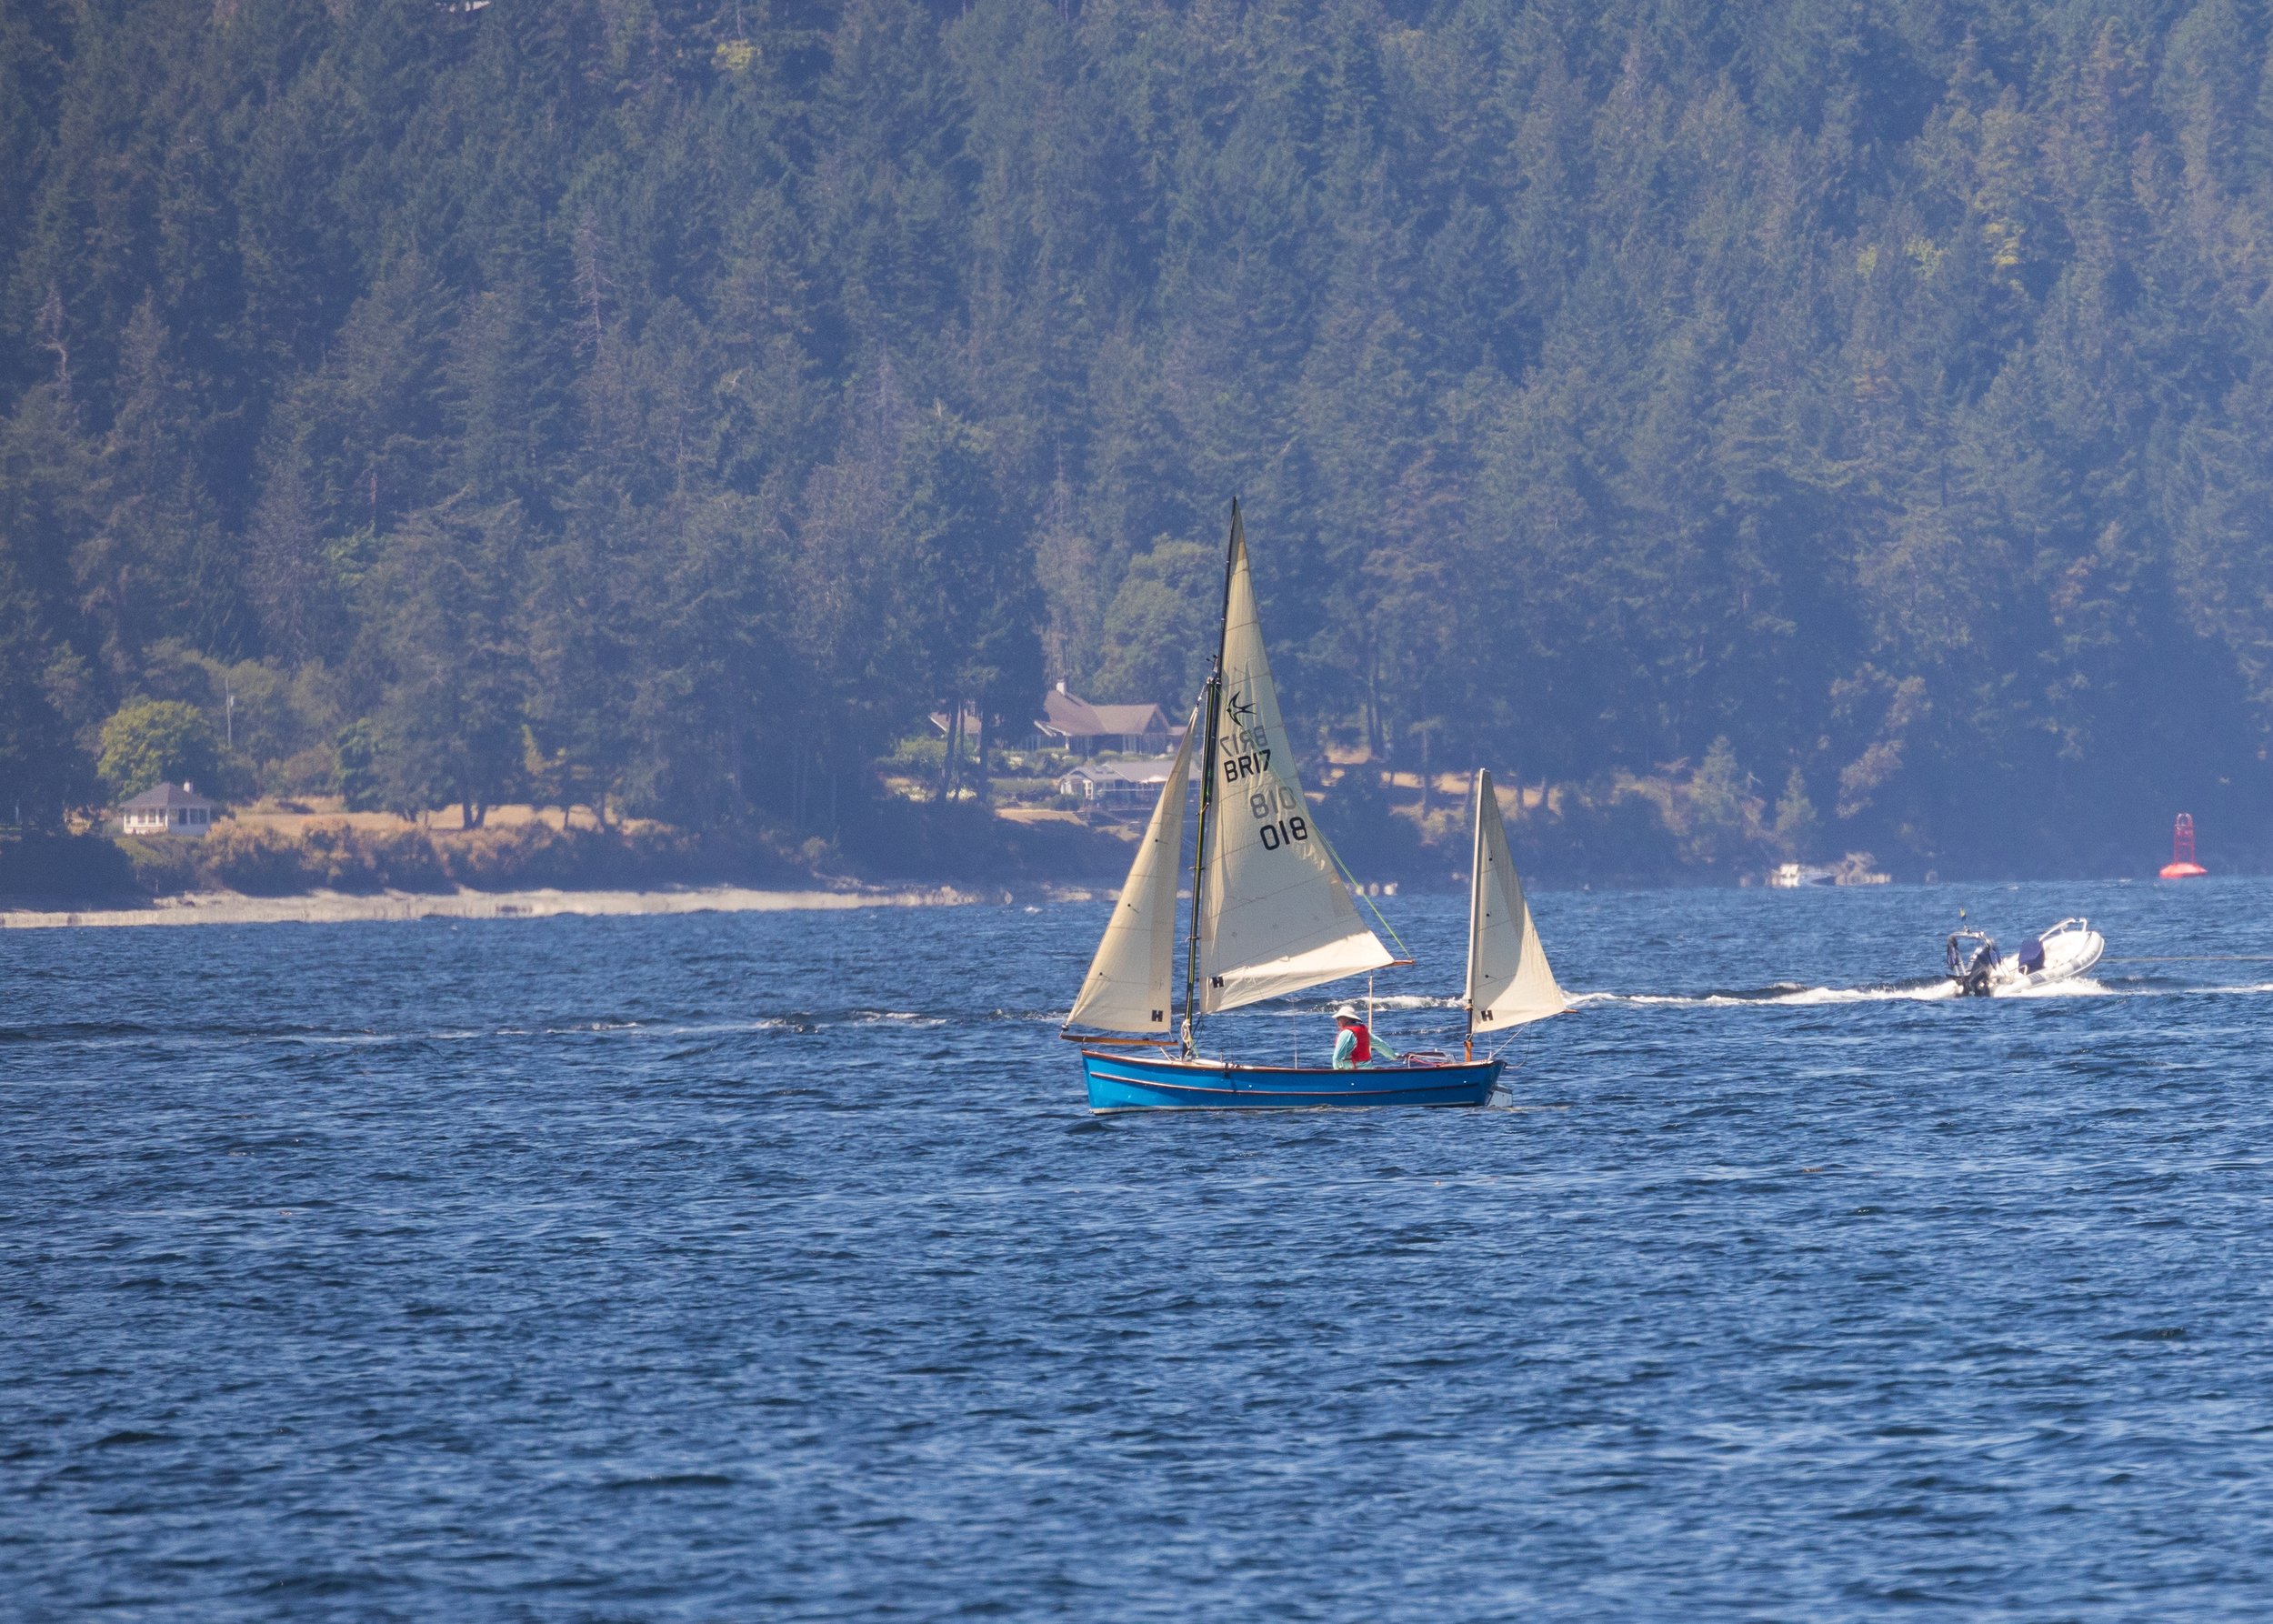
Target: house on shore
168 809
1069 722
1117 786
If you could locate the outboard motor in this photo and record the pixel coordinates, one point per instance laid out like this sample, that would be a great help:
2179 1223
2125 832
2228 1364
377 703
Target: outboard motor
1971 971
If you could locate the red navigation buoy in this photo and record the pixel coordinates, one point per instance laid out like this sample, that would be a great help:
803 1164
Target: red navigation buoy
2182 865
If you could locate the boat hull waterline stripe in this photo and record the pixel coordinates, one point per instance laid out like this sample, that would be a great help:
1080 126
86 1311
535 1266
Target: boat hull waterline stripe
1117 1082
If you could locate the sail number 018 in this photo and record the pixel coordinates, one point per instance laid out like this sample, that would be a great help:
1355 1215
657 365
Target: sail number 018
1276 831
1275 835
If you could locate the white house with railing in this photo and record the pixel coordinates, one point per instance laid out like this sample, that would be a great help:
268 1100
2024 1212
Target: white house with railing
1118 786
168 810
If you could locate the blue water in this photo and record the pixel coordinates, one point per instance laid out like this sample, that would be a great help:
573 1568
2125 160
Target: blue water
768 1267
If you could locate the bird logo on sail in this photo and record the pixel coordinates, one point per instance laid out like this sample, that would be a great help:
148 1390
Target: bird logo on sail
1241 707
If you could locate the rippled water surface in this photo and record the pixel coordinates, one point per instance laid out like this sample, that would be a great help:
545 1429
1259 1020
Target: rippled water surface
769 1266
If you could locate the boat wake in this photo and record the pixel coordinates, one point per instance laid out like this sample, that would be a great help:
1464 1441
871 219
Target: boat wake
1793 995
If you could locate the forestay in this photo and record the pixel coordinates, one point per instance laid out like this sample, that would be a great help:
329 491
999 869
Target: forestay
1131 982
1275 917
1509 981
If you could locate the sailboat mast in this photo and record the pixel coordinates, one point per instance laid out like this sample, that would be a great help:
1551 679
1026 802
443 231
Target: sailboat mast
1475 908
1199 862
1208 787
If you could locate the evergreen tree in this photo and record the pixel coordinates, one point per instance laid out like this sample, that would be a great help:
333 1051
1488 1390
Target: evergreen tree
599 414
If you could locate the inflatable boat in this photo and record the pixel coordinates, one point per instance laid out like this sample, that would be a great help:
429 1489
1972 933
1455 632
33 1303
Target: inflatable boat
1981 969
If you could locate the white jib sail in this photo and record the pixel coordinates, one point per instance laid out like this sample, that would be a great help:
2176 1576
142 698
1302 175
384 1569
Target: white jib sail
1131 984
1510 980
1276 916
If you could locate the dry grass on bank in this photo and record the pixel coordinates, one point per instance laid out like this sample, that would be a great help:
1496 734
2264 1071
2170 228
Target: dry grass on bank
280 855
293 816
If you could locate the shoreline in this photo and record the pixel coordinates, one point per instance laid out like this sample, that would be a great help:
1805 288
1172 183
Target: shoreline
340 907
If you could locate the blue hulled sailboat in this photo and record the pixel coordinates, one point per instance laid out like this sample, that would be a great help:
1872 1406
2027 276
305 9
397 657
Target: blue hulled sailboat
1271 916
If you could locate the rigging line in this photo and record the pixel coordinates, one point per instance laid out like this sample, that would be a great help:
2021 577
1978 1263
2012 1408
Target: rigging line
1359 891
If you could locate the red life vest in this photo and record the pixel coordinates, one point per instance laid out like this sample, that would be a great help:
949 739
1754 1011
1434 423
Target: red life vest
1364 1051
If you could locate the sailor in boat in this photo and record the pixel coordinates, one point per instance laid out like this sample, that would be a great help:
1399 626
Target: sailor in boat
1973 959
1353 1045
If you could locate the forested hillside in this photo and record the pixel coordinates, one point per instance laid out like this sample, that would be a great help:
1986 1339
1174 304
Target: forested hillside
668 404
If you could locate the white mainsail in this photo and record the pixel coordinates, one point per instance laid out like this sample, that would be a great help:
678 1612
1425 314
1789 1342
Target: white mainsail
1510 980
1131 984
1275 916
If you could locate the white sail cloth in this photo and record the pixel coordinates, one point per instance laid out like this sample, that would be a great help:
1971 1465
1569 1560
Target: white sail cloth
1131 984
1510 980
1275 917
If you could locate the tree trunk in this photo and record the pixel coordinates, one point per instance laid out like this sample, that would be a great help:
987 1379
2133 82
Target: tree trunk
978 772
1376 747
947 755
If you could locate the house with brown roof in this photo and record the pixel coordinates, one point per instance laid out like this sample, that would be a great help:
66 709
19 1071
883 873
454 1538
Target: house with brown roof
1074 724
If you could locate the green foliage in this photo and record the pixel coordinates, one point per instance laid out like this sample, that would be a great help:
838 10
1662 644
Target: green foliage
40 687
448 724
1160 632
260 859
275 723
1797 829
157 741
1721 818
586 401
1368 835
43 866
356 784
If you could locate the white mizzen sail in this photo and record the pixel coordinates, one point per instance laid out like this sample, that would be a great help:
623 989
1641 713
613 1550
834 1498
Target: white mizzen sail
1509 981
1131 985
1275 916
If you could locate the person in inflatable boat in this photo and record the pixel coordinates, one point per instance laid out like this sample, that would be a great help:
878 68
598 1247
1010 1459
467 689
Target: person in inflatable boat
1353 1044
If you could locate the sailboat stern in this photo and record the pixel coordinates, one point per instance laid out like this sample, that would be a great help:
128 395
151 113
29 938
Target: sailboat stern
1122 1082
